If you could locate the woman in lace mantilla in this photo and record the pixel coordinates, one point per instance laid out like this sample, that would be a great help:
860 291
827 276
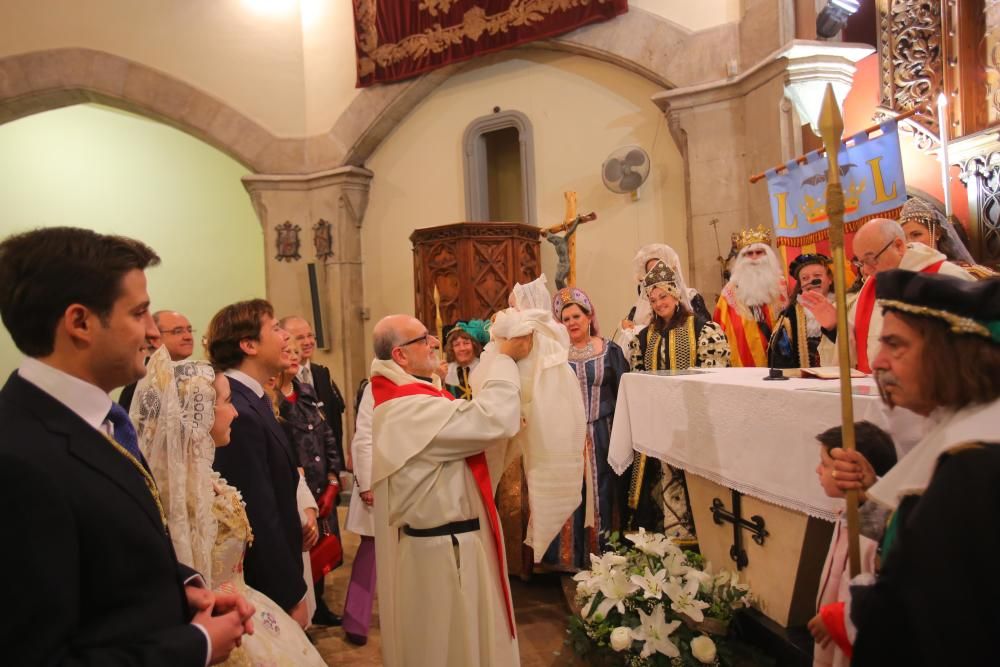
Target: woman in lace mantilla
182 412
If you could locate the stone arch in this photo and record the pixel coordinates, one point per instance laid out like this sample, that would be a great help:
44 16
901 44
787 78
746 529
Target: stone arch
34 82
638 41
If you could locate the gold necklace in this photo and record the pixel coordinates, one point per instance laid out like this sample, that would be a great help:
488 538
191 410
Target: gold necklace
150 483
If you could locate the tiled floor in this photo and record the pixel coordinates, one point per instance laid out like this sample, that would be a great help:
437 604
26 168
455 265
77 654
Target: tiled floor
539 607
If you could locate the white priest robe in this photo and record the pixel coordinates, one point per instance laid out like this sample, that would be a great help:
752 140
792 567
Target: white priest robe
441 603
918 257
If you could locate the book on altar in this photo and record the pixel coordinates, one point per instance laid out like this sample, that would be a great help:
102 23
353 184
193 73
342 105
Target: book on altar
828 373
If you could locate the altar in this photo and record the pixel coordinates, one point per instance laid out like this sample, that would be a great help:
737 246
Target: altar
749 453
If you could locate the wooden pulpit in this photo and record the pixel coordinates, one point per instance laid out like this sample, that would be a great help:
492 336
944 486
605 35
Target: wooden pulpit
474 266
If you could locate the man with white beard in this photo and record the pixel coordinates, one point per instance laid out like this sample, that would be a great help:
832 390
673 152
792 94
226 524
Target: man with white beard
796 337
751 300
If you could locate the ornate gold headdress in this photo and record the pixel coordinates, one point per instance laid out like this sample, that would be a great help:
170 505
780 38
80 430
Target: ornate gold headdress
662 276
760 234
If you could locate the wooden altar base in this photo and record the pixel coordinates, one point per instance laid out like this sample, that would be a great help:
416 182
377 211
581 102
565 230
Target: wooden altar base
783 573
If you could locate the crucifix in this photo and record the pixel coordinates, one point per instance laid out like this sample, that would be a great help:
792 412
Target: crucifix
565 246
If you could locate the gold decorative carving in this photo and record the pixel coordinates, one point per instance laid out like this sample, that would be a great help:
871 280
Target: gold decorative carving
992 12
911 65
436 39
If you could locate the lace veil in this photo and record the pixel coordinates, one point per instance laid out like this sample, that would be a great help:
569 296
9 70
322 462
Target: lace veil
173 410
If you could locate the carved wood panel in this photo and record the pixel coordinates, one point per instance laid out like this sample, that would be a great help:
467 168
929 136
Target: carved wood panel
981 176
910 64
474 266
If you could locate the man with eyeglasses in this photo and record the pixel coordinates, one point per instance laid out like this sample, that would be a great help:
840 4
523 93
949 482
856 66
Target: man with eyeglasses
177 333
443 593
880 245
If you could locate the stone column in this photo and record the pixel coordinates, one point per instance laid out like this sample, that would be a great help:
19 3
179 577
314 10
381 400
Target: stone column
338 197
731 129
726 132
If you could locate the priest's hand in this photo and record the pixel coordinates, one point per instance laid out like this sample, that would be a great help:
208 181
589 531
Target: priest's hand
851 470
367 497
824 311
517 348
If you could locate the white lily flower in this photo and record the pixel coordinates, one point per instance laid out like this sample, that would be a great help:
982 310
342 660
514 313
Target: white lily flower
703 578
616 588
654 632
652 544
651 584
676 564
684 600
588 583
603 565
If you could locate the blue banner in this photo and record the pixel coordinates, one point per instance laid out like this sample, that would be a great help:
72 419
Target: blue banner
871 174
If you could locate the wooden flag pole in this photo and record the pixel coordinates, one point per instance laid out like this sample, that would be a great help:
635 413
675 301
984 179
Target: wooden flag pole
831 126
438 323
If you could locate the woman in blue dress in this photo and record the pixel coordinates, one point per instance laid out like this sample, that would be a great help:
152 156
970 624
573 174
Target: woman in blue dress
599 365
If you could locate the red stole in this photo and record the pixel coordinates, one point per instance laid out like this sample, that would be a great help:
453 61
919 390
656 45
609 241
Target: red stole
384 390
863 316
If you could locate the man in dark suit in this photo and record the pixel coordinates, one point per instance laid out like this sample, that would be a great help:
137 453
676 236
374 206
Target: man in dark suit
319 377
245 341
91 575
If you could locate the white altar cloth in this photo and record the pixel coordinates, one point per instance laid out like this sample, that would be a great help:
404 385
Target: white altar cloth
732 427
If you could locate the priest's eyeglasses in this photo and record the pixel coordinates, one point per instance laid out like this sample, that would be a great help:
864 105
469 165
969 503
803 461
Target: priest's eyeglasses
425 338
177 331
873 260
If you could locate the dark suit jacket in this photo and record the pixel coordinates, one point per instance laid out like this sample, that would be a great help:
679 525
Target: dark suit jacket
258 461
128 393
90 576
333 403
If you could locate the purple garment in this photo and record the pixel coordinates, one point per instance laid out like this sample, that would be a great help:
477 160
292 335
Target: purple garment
361 590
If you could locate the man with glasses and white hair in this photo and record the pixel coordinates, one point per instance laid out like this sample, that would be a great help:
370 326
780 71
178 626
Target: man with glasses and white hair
177 333
880 245
442 578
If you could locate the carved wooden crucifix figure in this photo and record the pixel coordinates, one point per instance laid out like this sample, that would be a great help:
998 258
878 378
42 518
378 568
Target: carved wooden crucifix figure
565 246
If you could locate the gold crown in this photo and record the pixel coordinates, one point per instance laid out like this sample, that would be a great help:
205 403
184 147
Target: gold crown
750 236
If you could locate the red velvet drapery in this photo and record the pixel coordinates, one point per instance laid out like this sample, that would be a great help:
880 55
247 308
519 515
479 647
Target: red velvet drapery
399 39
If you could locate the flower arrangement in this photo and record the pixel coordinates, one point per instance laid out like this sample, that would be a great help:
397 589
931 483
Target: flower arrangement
653 604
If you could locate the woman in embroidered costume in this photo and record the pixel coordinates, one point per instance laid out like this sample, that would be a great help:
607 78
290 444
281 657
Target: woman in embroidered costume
463 344
676 339
922 223
182 412
599 365
797 333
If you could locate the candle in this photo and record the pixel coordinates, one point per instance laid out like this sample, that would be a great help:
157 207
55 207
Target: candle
942 103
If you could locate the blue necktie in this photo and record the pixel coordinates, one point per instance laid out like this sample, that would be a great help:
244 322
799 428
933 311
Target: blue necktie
125 431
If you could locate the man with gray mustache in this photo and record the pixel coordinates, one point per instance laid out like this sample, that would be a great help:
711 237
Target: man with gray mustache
933 601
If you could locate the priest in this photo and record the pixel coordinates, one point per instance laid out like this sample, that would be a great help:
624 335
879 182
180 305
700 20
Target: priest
442 580
880 245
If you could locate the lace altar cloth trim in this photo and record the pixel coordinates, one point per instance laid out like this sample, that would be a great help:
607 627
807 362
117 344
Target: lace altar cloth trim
735 429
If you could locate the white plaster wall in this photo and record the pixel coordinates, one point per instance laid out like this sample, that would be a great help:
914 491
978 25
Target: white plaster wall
251 60
287 64
581 109
117 173
694 16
